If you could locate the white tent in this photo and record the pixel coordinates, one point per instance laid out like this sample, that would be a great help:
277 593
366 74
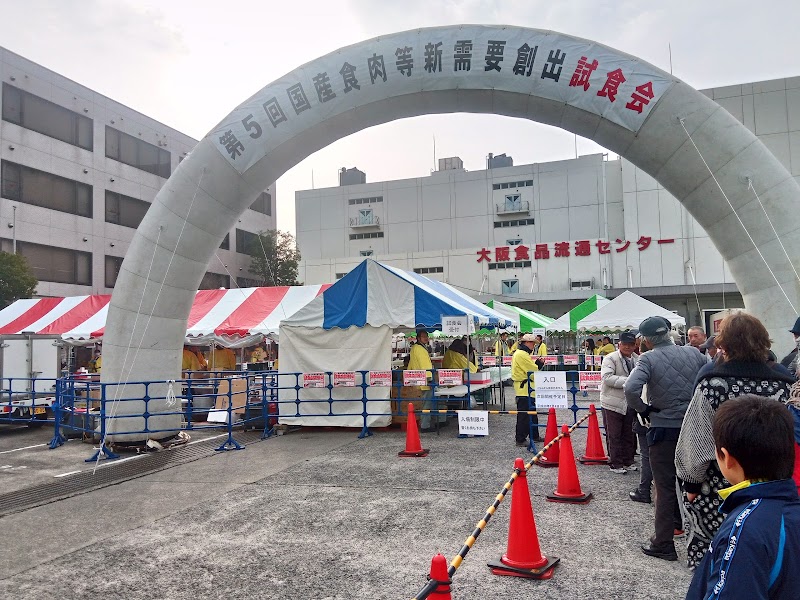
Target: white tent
626 311
349 328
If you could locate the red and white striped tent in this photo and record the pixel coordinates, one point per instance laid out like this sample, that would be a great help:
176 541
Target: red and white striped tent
233 318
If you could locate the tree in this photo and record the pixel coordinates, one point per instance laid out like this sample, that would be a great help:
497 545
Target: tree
16 278
274 258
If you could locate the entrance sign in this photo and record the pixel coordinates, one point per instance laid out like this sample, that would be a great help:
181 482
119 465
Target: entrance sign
590 381
551 389
473 422
415 377
455 326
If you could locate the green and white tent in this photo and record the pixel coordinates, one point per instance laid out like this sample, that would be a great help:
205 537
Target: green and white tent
568 323
526 320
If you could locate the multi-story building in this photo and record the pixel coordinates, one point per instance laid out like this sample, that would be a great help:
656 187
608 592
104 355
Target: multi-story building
79 171
544 235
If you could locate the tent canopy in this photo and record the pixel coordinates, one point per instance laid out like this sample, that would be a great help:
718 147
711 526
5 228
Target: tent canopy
223 316
568 322
376 294
527 320
626 311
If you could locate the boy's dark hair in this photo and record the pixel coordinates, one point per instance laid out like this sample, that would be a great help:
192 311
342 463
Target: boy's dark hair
759 433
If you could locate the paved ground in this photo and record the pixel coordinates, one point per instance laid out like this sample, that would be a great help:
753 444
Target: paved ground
323 515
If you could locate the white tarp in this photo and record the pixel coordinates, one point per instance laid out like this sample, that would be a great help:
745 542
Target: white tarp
626 311
304 349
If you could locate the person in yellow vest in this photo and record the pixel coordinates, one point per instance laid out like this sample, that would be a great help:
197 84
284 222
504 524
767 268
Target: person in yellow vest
501 345
189 362
97 362
222 359
455 357
420 360
541 347
606 347
522 364
513 348
258 355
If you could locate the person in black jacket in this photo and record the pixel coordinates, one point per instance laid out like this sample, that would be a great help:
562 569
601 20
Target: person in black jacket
790 360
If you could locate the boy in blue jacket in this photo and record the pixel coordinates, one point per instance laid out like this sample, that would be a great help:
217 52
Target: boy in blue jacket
756 553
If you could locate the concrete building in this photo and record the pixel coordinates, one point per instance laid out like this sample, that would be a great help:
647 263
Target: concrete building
78 173
545 236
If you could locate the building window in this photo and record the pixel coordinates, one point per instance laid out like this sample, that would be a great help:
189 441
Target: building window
263 204
245 282
510 185
124 210
513 202
340 275
366 236
137 153
513 223
510 286
113 264
31 186
366 252
353 201
426 270
365 216
226 242
247 242
45 117
213 281
514 242
58 265
580 285
519 264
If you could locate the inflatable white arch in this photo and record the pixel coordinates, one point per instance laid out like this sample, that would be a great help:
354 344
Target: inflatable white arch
624 104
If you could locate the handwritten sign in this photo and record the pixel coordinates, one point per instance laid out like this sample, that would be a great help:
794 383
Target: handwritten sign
451 377
415 377
454 326
590 380
313 380
473 422
380 378
344 379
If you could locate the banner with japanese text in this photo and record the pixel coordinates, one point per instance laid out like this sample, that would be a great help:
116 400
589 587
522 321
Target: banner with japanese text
493 59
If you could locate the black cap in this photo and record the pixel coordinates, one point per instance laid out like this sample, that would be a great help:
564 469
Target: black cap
653 326
628 336
708 344
796 329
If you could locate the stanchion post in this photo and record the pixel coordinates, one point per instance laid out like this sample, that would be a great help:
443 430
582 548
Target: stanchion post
229 443
365 432
264 405
574 379
103 449
531 426
58 439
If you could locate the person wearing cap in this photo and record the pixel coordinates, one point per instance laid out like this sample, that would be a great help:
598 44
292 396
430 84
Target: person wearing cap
525 389
618 417
640 429
668 371
420 360
708 347
790 360
501 345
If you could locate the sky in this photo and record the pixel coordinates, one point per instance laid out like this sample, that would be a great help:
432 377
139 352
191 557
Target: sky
188 63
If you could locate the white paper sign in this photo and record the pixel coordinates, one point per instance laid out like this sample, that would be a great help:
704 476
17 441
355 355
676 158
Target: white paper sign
415 377
313 380
380 378
554 398
488 360
344 379
473 422
538 331
550 380
507 361
451 377
454 326
571 359
590 380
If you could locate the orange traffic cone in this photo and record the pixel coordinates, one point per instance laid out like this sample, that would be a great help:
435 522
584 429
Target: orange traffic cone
439 573
413 445
550 457
569 486
595 453
523 557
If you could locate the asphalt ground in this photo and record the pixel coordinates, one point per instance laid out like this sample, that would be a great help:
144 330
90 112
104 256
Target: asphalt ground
321 514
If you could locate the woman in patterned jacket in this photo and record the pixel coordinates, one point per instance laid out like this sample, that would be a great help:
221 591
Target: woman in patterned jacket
744 344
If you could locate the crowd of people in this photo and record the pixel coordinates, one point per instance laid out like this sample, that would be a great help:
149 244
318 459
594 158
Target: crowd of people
717 425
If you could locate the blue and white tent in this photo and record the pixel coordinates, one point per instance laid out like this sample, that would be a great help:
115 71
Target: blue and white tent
349 328
380 295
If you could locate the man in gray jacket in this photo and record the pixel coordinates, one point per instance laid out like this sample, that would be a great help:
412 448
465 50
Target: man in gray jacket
669 372
617 415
